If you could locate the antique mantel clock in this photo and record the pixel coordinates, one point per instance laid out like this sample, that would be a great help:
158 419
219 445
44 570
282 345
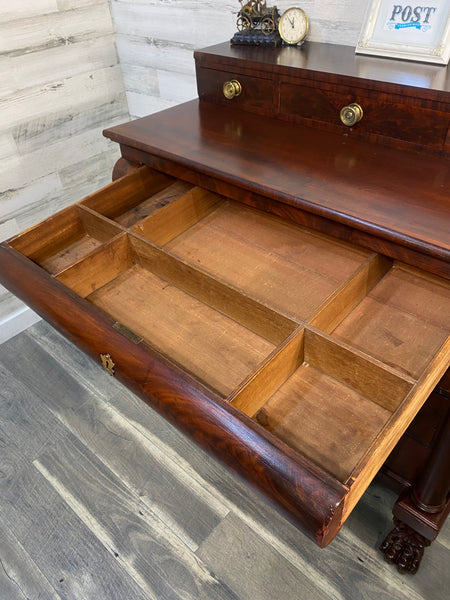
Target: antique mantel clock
293 26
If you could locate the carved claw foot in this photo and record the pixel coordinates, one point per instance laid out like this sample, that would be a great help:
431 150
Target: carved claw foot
404 547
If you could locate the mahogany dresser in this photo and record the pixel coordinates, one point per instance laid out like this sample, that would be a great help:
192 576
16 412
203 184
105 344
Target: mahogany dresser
270 270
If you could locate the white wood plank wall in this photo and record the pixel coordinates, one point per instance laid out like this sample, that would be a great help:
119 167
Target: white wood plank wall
156 40
60 85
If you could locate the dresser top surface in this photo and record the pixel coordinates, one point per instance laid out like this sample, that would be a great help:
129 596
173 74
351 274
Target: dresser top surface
339 61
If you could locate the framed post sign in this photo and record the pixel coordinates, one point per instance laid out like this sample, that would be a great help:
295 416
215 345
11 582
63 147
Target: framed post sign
407 30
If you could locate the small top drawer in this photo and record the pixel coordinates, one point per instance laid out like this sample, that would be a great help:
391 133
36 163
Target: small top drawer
255 94
389 115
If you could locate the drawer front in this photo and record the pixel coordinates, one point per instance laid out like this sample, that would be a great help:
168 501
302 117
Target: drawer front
387 115
256 95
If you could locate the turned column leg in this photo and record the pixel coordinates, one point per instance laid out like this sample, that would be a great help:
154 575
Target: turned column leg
420 512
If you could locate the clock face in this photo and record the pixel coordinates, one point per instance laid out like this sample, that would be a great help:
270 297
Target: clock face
293 25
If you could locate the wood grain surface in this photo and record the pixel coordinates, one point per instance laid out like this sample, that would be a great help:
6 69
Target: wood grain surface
317 176
101 497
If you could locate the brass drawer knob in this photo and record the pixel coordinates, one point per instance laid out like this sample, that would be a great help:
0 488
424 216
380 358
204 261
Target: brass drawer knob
232 89
351 114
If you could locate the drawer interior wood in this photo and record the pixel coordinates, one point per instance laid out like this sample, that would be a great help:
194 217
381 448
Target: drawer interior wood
402 321
216 349
331 405
136 197
199 323
284 266
328 414
65 238
323 344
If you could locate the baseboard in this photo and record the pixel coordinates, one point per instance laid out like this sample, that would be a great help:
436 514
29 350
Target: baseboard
17 322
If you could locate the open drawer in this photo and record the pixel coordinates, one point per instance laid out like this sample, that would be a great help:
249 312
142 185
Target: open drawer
297 359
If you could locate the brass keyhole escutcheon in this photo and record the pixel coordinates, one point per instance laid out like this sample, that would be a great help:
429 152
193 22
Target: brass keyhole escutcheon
232 89
351 114
108 363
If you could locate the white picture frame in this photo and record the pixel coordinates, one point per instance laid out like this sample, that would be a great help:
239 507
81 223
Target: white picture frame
404 30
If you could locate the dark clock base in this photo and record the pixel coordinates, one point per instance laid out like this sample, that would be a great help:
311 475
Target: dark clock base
256 38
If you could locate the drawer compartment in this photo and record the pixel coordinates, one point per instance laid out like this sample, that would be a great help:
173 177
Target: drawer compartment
403 320
256 336
166 304
259 254
136 197
333 405
65 238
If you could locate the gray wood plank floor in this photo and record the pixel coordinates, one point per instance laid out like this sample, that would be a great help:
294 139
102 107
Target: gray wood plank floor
100 498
